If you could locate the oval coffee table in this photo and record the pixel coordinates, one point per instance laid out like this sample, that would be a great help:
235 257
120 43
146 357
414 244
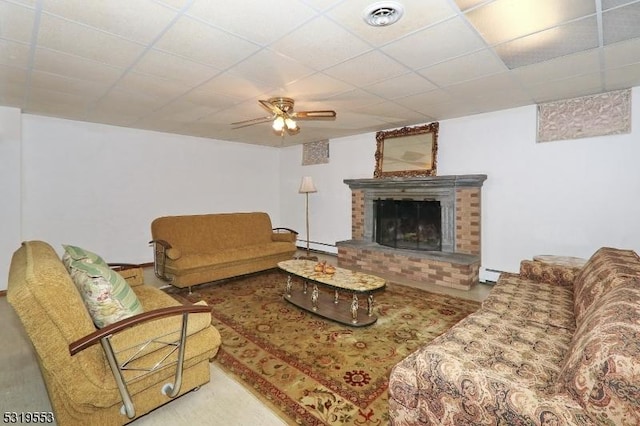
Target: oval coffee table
344 280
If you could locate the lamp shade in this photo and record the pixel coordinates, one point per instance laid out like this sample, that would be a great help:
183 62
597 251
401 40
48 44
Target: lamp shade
307 185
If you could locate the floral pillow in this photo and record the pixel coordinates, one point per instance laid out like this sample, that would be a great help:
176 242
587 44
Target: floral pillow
106 294
74 253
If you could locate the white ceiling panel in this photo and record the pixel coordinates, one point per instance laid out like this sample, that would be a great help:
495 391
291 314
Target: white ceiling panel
320 44
193 67
261 21
16 22
140 20
464 68
439 43
203 43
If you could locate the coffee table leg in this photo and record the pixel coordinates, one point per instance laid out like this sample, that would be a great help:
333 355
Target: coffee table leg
335 297
354 309
289 286
370 304
314 298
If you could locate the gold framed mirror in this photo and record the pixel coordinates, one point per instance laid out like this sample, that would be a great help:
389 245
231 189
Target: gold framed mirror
407 152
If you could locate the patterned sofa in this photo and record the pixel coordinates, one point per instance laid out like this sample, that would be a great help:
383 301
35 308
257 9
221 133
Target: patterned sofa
549 346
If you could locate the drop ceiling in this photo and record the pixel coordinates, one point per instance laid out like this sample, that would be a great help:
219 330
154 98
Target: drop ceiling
193 67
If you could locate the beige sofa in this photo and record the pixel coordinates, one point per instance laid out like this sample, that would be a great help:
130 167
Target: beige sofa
196 249
73 354
549 346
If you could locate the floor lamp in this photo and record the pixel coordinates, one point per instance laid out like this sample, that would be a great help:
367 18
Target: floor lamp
307 187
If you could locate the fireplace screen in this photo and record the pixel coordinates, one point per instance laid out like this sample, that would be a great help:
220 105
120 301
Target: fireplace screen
408 224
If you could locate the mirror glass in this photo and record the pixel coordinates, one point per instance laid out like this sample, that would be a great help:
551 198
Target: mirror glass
409 151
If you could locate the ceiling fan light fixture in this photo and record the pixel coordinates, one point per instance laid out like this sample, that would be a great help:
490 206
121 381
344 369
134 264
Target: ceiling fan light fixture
382 14
278 124
291 124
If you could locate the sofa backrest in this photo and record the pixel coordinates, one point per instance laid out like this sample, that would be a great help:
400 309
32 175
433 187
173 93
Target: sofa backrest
605 270
53 314
602 367
211 233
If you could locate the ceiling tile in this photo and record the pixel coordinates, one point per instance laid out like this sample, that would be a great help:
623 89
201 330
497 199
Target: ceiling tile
582 85
272 68
437 44
183 110
608 4
176 4
14 54
400 86
13 86
352 100
41 99
504 20
173 67
257 20
417 15
75 67
316 87
558 68
468 4
623 77
367 69
162 88
16 22
320 44
621 24
71 86
421 101
202 43
468 67
214 101
559 41
140 20
126 102
484 86
391 112
231 84
322 4
623 53
66 36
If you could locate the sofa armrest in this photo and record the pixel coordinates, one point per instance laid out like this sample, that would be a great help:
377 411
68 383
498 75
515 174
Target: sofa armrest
103 336
133 274
284 234
160 254
543 272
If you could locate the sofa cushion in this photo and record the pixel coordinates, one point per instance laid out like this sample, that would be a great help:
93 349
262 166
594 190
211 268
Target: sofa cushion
486 370
516 297
106 294
602 368
606 269
76 253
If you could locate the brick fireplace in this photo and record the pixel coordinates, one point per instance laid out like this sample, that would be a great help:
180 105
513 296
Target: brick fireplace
455 265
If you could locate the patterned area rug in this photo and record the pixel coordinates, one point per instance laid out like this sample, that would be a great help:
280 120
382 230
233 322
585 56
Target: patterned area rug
313 371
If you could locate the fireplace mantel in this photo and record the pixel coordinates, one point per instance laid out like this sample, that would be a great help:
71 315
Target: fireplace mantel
451 181
456 265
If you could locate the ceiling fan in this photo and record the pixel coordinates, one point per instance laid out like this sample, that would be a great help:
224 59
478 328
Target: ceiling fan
283 117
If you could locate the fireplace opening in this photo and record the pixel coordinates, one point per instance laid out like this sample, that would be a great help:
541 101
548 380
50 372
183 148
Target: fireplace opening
408 224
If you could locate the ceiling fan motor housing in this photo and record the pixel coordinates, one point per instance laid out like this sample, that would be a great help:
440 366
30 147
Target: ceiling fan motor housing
284 104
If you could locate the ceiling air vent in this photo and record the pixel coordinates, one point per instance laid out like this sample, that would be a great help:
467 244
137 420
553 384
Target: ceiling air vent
383 13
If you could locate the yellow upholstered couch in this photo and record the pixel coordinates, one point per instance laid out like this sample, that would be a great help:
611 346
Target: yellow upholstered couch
195 249
72 353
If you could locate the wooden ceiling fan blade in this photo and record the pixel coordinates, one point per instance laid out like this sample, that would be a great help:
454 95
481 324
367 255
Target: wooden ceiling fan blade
315 115
270 107
246 123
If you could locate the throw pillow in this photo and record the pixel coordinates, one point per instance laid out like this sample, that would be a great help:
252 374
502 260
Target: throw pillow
72 253
106 294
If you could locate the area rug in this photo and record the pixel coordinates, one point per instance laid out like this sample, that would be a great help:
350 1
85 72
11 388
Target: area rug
313 371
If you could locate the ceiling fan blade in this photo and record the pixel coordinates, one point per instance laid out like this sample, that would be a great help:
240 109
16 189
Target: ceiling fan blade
245 123
315 115
270 107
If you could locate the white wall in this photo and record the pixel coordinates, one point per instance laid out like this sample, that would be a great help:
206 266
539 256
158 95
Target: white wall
10 188
100 186
566 197
330 207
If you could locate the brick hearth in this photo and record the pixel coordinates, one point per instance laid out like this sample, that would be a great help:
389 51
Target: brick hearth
456 266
